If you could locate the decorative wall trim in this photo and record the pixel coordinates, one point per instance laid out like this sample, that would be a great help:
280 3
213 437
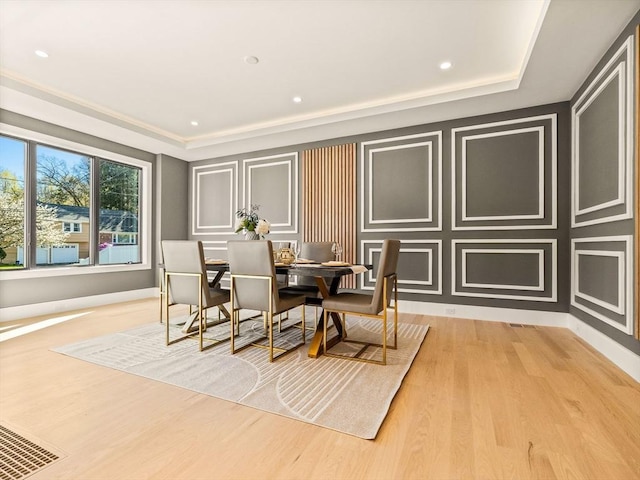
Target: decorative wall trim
229 172
290 160
540 213
597 308
527 251
214 249
370 213
547 269
431 285
545 126
618 307
606 212
432 221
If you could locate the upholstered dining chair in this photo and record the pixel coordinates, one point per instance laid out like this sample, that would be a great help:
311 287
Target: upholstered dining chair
370 306
254 287
318 252
185 283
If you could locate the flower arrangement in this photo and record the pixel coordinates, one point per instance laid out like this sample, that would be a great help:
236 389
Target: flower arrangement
250 223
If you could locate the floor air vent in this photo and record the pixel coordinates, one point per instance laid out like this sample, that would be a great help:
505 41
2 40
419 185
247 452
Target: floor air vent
20 457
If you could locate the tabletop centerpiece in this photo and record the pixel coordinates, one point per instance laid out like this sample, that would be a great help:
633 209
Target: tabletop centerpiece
250 223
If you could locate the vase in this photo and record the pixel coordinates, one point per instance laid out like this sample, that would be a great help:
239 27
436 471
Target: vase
251 236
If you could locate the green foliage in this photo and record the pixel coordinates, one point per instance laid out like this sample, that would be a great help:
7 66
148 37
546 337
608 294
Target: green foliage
248 219
119 187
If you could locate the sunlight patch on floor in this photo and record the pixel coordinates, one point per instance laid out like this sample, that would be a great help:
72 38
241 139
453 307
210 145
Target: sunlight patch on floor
38 326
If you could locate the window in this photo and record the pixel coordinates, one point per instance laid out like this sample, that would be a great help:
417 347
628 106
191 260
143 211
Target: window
119 211
120 238
13 154
87 210
63 190
72 227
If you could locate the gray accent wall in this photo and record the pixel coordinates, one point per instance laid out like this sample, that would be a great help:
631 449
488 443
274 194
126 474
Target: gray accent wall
218 188
475 202
602 244
18 292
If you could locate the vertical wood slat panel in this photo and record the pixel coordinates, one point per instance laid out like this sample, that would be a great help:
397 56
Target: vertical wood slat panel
329 199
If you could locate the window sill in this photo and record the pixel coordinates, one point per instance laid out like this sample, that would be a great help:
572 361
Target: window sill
71 270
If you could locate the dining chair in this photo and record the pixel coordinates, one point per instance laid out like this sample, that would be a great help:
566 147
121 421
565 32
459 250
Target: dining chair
185 283
370 306
318 252
254 287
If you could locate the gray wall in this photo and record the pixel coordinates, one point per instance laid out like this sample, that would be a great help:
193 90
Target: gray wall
172 210
37 290
478 196
602 256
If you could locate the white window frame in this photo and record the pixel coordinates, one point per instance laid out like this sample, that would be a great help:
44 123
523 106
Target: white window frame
72 227
145 207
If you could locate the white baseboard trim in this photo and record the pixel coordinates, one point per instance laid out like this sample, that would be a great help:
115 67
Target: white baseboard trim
490 314
625 359
622 357
9 314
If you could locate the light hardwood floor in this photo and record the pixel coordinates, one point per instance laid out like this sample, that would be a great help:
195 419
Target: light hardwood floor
483 400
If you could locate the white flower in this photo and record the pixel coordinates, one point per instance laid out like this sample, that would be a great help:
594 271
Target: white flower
263 227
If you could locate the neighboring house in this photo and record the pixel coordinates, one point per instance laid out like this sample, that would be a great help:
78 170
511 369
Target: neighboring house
117 228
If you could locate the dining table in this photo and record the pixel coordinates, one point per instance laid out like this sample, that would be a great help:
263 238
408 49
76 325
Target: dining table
327 276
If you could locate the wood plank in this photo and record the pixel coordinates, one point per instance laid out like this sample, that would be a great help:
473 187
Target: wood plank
482 400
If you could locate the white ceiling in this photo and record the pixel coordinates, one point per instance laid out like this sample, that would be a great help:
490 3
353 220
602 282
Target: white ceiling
139 71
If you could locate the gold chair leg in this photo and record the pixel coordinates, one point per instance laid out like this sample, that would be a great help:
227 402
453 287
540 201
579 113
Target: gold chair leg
324 333
270 337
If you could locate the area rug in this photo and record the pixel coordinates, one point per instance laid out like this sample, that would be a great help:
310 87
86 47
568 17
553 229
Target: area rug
350 397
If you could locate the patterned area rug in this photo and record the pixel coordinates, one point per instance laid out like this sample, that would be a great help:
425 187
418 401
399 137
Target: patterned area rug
350 397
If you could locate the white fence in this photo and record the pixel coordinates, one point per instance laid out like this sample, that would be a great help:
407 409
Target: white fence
68 254
120 254
56 254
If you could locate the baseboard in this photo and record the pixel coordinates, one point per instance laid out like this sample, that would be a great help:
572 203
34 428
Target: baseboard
490 314
8 314
622 357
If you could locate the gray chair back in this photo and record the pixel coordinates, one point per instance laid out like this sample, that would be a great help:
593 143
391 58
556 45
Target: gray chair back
253 257
318 252
387 266
186 256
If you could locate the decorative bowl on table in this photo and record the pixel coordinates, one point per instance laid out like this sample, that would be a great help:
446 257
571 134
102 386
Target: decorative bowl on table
286 256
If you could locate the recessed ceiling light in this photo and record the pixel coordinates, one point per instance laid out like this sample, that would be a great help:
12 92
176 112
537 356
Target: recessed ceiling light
446 65
251 60
297 99
42 53
194 123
